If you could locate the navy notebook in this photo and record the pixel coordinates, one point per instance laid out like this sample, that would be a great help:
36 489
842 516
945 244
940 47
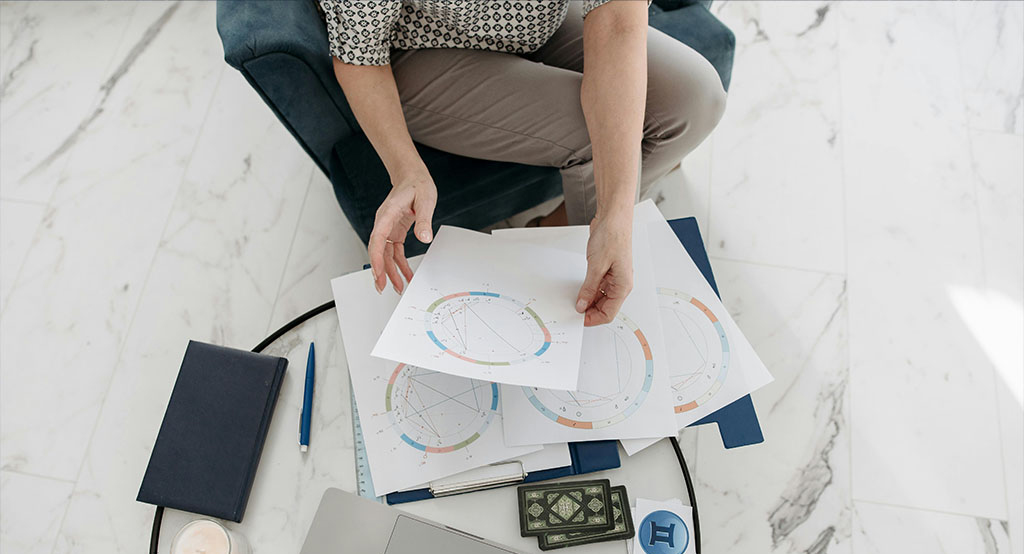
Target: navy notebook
209 444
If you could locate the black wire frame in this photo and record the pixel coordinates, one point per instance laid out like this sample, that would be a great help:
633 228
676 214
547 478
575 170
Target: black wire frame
158 516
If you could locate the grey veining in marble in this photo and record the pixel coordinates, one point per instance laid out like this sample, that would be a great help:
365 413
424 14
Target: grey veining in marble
801 496
862 200
105 89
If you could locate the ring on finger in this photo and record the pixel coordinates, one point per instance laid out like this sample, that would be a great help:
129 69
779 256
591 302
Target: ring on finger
389 241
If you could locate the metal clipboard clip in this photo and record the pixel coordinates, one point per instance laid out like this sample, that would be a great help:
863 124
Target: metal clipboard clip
486 477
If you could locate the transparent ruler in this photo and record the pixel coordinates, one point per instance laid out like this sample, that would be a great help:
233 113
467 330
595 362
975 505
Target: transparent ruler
364 483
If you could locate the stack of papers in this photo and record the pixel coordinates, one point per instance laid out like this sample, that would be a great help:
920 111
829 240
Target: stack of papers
484 359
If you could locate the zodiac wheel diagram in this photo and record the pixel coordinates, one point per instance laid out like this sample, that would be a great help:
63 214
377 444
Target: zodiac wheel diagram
436 412
486 328
702 349
610 393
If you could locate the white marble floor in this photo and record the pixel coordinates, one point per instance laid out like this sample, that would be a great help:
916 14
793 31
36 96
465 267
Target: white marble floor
862 202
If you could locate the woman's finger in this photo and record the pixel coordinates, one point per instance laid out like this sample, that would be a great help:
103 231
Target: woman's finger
391 268
591 286
596 313
403 264
612 293
617 286
423 205
382 227
603 311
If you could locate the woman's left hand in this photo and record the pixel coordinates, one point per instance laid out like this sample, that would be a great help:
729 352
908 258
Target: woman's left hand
609 270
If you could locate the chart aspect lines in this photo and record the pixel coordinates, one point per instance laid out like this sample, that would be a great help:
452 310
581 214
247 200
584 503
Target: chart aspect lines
486 328
699 348
613 391
436 412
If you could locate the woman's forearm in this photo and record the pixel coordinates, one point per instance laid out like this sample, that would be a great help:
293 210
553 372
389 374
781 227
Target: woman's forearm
373 96
613 97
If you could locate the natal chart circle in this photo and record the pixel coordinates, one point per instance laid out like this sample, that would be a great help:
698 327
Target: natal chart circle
436 412
698 346
610 393
486 328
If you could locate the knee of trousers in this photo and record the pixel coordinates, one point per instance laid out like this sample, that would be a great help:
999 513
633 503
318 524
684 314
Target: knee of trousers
684 104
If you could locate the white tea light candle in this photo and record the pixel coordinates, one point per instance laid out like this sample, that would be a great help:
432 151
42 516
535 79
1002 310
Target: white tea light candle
203 536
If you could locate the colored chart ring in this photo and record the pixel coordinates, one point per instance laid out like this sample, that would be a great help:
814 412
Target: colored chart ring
628 410
720 380
543 338
437 449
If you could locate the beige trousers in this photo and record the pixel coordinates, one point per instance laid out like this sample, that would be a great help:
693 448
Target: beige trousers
526 109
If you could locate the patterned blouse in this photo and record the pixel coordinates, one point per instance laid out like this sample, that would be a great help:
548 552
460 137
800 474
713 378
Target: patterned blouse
362 32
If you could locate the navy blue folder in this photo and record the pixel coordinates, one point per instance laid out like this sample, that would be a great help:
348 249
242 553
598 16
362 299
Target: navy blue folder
737 422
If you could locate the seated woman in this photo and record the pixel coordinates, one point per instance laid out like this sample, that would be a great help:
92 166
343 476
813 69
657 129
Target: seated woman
585 87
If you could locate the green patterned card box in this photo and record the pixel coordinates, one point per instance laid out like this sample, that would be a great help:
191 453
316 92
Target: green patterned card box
564 507
621 519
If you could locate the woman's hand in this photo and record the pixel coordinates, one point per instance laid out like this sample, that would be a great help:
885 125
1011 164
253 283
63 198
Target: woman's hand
412 199
373 96
609 270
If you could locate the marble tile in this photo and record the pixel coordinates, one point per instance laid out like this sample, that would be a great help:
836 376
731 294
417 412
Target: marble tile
215 278
992 63
325 247
995 316
881 529
998 164
913 240
52 71
685 192
1012 427
168 63
792 492
31 509
776 176
64 321
18 224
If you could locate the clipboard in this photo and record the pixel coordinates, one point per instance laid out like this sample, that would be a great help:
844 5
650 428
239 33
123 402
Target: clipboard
586 457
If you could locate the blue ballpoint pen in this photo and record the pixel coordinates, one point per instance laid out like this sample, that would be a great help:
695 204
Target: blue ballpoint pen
307 403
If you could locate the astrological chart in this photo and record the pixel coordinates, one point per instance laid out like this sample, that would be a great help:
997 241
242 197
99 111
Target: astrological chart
623 389
712 364
438 413
616 390
418 425
486 328
492 310
699 350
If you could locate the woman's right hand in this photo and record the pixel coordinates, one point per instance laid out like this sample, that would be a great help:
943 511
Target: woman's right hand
411 200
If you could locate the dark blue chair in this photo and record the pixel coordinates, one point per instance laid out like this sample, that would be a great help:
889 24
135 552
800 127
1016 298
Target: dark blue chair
281 49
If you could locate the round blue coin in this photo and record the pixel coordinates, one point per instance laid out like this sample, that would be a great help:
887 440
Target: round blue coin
663 532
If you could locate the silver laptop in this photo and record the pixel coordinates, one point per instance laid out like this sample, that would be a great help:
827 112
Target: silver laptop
345 522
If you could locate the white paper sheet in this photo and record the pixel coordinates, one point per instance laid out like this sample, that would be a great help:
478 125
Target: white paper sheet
551 456
713 364
418 425
493 310
623 388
